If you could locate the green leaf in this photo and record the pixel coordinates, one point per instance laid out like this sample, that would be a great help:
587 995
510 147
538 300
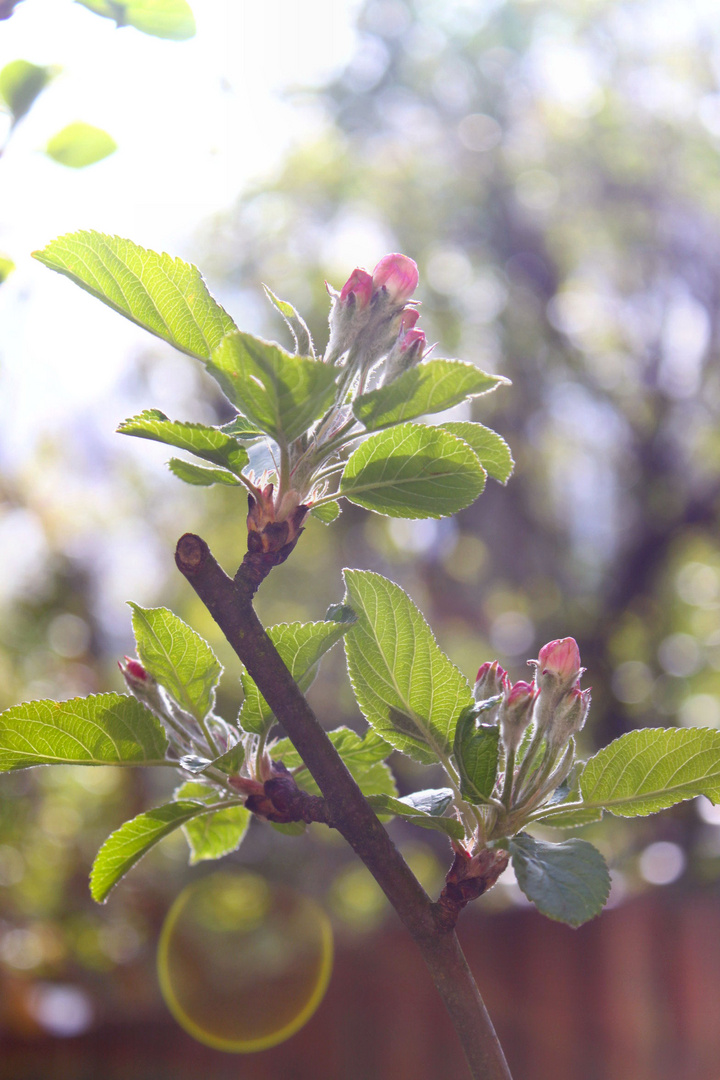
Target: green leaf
301 646
406 687
131 841
568 881
298 327
413 471
177 657
166 296
199 475
568 792
385 804
433 801
6 268
231 761
79 145
209 443
242 428
651 769
476 754
431 387
281 393
172 19
364 757
20 84
493 452
326 513
104 729
211 836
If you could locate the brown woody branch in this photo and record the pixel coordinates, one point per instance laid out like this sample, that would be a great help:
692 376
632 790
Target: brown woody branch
430 925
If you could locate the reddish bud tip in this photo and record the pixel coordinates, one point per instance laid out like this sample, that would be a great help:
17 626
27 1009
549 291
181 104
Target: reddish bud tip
520 692
134 668
560 658
413 339
360 286
398 274
408 319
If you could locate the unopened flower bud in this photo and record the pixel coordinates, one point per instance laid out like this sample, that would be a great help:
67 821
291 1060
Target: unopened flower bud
408 317
569 716
398 275
358 289
491 680
134 669
516 713
558 670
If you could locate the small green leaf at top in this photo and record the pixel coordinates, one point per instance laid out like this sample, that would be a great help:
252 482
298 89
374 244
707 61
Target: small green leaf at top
209 443
493 452
281 393
364 757
166 296
406 687
79 145
652 769
431 387
385 804
569 881
103 729
131 841
326 513
298 327
20 84
413 471
170 19
476 755
301 646
174 654
210 836
199 475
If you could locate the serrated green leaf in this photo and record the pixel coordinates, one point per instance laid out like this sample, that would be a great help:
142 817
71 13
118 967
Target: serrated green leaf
430 387
79 145
326 513
177 657
298 327
493 452
301 646
385 804
199 475
363 755
211 836
406 687
281 393
413 471
209 443
242 428
20 84
166 296
131 841
568 881
104 729
475 751
651 769
170 19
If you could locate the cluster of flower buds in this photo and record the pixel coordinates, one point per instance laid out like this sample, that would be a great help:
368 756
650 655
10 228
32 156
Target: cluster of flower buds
509 704
371 318
562 706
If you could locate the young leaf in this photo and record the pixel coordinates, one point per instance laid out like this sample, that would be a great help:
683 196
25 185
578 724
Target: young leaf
208 443
492 450
281 393
199 475
476 754
20 84
242 428
172 19
433 801
166 296
231 761
568 881
413 471
301 645
385 804
104 729
177 657
650 769
298 327
406 687
211 836
131 841
326 513
364 757
79 145
431 387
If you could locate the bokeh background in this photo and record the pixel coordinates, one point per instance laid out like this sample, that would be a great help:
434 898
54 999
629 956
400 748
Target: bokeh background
554 168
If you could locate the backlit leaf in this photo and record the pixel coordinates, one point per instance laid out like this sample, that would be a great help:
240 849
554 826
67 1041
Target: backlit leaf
211 836
79 145
492 450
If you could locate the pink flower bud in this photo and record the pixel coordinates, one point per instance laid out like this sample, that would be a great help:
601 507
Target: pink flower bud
360 286
521 693
516 712
133 668
570 715
491 680
413 339
560 658
399 275
408 318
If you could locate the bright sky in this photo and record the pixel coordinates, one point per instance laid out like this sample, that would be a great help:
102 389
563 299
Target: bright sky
195 121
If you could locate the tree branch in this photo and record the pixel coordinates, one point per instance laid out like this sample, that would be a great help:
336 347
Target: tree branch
230 604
